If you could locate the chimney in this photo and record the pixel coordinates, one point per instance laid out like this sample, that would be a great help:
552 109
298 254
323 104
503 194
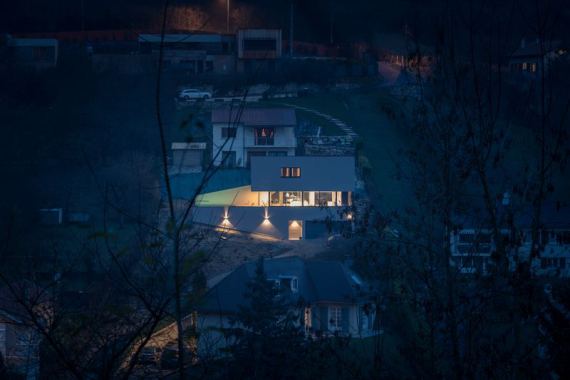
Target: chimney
523 43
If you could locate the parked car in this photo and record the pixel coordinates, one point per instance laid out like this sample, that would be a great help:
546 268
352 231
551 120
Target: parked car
194 94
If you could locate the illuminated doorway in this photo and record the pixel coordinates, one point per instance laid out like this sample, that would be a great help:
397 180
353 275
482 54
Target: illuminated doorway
295 229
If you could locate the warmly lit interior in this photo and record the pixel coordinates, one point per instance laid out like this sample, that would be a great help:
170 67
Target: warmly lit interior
243 196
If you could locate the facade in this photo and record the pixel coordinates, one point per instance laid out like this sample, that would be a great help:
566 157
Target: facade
34 53
238 135
530 56
288 197
258 49
19 342
197 52
329 297
472 246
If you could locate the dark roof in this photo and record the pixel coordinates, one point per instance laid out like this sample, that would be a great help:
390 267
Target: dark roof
256 116
532 48
318 173
184 185
554 215
319 281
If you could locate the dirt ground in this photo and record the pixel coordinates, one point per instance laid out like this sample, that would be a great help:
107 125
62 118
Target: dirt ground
234 249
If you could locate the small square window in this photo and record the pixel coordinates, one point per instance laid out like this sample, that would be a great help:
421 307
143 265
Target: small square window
290 172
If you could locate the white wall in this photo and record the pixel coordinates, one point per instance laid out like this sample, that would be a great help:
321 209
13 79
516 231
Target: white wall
284 140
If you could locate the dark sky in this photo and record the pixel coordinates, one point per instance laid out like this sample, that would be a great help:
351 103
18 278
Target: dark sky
354 18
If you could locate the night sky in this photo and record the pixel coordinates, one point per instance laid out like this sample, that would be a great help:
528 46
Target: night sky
352 19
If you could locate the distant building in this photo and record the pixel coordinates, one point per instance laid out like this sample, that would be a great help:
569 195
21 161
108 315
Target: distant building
332 300
19 340
400 50
32 53
196 52
258 49
238 135
187 157
472 245
530 56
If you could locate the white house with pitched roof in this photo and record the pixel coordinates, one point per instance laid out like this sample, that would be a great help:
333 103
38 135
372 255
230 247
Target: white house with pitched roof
239 134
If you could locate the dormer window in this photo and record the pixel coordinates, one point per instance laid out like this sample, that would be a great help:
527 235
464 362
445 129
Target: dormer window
290 172
290 283
264 136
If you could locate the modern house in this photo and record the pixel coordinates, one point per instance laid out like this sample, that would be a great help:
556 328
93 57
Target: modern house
239 134
258 49
329 298
472 244
286 197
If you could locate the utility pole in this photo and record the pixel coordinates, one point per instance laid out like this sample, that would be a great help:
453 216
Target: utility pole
291 31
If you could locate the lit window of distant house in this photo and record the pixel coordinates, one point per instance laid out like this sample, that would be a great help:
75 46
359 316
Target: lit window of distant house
290 172
228 132
264 136
335 318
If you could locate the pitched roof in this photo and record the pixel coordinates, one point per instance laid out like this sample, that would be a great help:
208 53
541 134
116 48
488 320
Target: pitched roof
318 173
532 49
255 116
318 281
554 215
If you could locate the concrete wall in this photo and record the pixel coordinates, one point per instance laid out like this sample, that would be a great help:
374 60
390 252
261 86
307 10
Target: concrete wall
252 219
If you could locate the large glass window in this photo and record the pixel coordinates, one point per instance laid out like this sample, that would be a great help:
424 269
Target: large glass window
324 198
292 198
264 136
259 44
274 198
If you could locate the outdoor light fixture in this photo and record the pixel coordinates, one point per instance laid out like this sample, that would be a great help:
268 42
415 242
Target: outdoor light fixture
266 216
349 216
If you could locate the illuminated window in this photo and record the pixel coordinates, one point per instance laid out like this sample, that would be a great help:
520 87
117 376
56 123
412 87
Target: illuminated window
290 172
264 136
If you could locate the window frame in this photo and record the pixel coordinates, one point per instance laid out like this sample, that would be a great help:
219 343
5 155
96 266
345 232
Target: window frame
290 172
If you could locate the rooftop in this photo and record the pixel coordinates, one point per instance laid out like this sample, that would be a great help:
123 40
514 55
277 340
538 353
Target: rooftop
318 281
532 48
